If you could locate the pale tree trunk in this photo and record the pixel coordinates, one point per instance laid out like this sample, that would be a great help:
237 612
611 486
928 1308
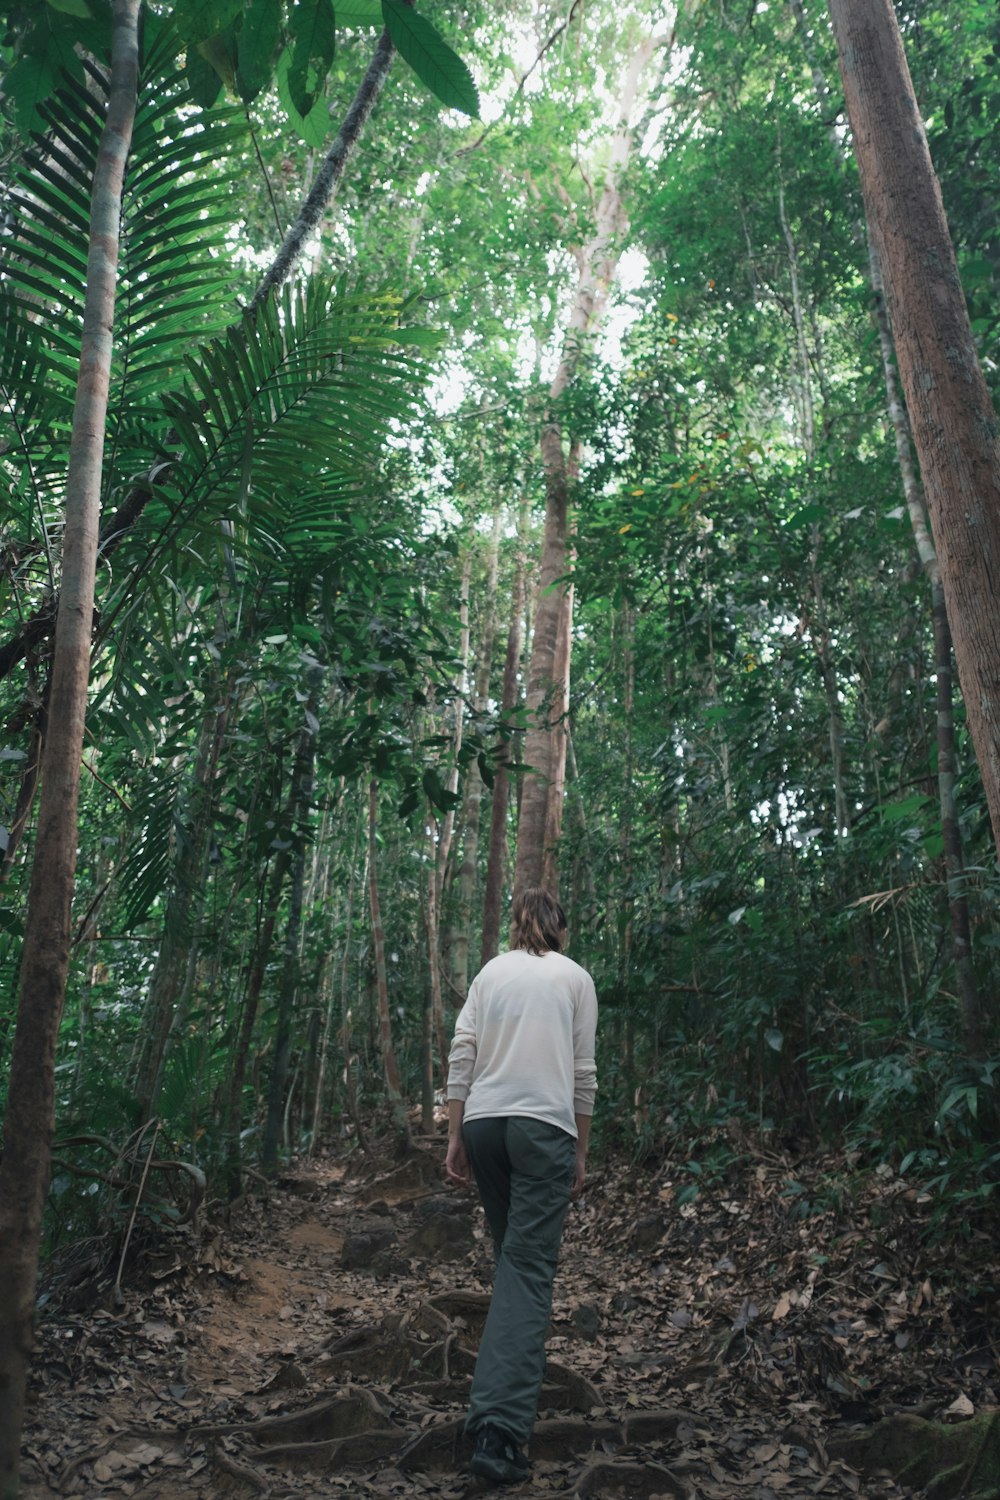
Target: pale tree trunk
440 835
434 1039
329 988
819 633
465 883
178 947
625 842
390 1067
346 1018
969 999
291 967
255 984
496 852
952 416
24 1171
540 816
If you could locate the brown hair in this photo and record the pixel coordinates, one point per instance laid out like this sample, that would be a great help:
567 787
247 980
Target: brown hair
538 922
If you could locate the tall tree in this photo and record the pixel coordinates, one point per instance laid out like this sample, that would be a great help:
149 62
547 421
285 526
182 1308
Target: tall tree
954 421
24 1170
547 697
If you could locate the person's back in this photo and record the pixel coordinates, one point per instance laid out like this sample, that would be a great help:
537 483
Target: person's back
521 1031
521 1085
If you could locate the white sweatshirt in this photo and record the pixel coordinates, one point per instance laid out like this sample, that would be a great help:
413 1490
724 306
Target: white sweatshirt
524 1040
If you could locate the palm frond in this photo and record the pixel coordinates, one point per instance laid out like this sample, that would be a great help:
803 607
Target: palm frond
175 281
283 409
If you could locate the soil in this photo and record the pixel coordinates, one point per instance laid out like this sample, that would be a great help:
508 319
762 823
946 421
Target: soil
318 1338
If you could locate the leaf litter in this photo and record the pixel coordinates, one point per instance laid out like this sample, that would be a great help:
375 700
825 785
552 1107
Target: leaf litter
319 1339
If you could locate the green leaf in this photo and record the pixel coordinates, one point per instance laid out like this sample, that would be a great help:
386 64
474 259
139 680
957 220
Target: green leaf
71 8
806 516
909 807
29 83
203 78
257 47
430 57
358 13
422 338
198 20
313 127
311 26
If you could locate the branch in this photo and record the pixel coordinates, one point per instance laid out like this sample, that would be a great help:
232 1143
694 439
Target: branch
546 46
328 178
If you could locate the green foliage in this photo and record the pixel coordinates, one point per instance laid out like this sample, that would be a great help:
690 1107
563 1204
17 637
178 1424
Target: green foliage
430 57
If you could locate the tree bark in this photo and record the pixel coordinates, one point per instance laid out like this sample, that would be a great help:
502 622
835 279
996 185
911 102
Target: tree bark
390 1067
970 1000
329 176
500 801
251 1003
288 994
540 815
24 1171
180 923
953 419
458 948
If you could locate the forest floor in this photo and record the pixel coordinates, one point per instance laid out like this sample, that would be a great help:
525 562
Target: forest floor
318 1338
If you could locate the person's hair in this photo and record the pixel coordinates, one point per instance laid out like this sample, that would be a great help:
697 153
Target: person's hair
538 922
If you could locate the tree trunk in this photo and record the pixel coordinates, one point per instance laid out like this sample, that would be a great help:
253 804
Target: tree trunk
332 992
24 1171
953 419
291 968
458 948
540 815
180 923
390 1067
970 1004
969 998
441 834
251 1003
492 898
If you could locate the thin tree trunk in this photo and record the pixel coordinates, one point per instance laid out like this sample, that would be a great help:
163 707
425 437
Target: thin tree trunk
350 1084
251 1004
292 966
24 1170
819 633
179 928
432 928
330 989
493 896
390 1067
458 948
970 1003
953 418
440 846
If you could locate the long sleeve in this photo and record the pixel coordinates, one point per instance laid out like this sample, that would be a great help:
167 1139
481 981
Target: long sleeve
462 1057
584 1046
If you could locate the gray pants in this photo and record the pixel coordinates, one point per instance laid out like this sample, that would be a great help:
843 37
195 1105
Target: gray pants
524 1170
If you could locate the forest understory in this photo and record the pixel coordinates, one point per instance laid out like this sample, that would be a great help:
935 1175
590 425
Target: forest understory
797 1329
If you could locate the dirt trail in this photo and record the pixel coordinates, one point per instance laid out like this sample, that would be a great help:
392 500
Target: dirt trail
322 1341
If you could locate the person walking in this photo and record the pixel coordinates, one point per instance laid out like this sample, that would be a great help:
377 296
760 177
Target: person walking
521 1086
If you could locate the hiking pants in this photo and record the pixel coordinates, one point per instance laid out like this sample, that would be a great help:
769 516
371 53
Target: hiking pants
524 1170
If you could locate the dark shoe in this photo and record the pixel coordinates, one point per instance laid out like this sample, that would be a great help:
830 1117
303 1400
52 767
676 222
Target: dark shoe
498 1457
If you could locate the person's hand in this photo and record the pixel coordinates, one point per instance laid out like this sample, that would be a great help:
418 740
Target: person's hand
579 1177
456 1163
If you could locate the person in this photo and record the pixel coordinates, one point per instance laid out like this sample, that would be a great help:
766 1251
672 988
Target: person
521 1086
